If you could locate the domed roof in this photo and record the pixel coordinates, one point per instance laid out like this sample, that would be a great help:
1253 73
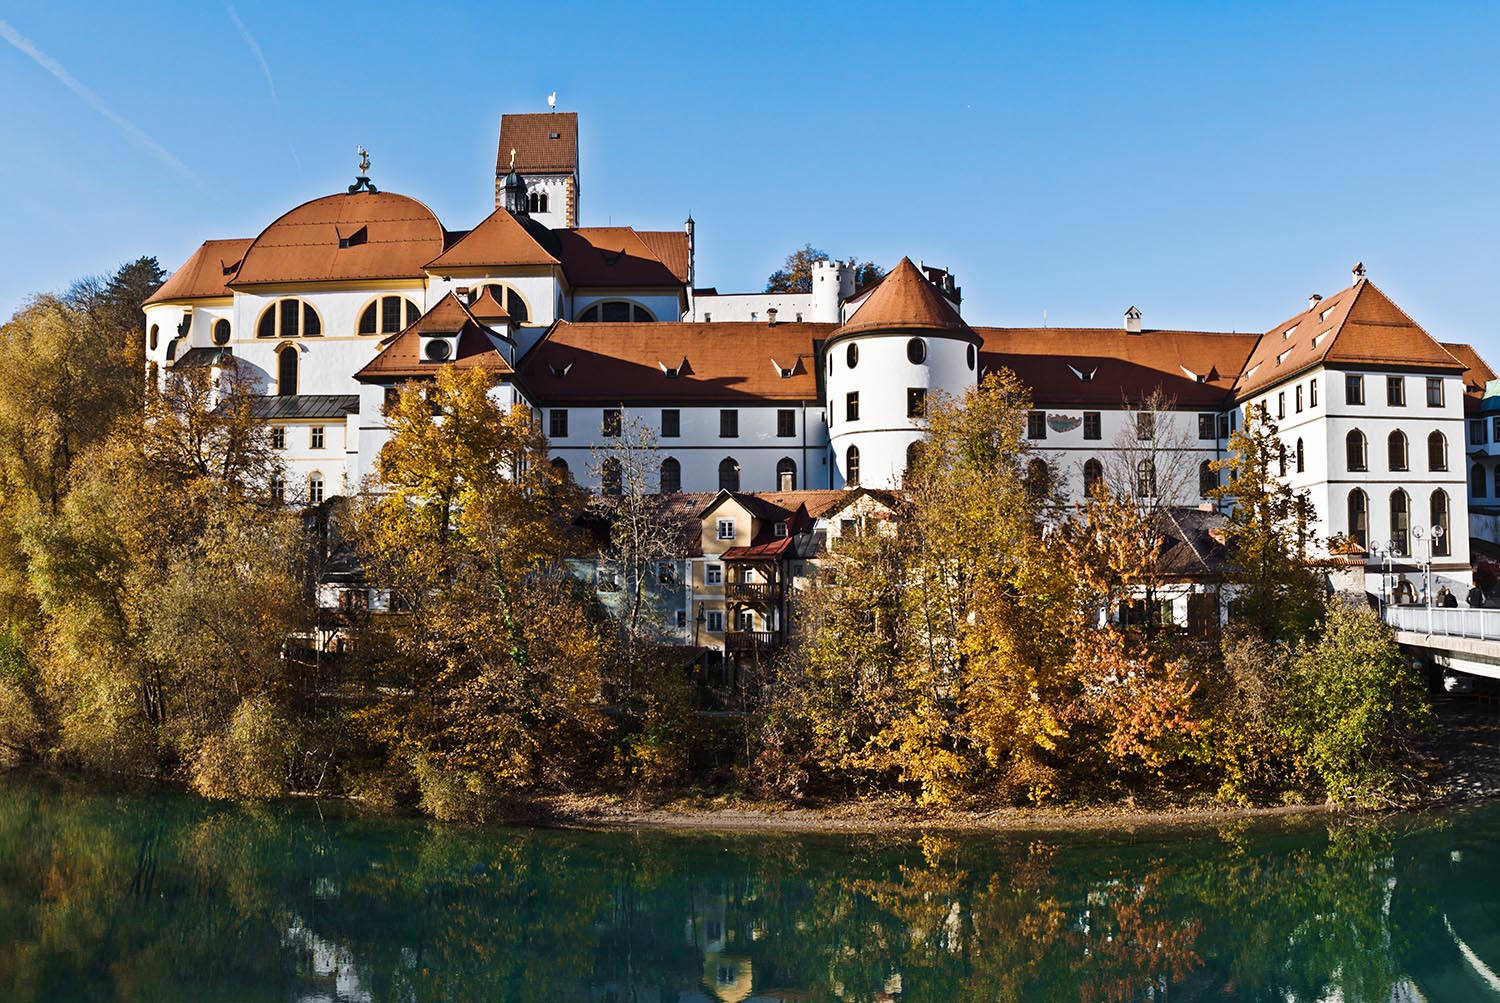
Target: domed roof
905 301
360 235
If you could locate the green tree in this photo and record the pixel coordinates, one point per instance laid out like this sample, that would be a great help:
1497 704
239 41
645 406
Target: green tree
795 274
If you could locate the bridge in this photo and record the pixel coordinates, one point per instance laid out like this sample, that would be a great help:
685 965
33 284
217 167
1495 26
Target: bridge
1462 639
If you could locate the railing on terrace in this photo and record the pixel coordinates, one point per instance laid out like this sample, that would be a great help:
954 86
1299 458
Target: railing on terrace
753 591
1482 624
750 640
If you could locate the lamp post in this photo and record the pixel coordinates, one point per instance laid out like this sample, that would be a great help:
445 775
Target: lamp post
1382 553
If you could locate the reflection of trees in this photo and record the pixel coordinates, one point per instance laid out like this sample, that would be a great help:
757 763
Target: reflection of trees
165 898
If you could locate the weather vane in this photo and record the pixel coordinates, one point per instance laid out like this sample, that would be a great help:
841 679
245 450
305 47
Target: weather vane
512 159
364 161
362 182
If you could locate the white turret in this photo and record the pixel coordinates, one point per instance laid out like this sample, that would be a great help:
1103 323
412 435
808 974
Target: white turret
832 283
904 344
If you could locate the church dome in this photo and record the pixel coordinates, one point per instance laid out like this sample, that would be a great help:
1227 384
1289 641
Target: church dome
346 237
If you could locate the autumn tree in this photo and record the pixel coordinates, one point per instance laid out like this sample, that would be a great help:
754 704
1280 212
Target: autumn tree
795 274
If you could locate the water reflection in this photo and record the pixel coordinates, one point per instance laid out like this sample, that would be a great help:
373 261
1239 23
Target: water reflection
163 897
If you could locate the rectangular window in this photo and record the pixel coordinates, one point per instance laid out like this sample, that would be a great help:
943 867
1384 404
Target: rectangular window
278 436
715 621
1280 405
1206 426
1434 391
1036 424
726 529
611 423
1299 398
316 437
682 618
916 402
1093 427
1312 393
747 620
671 423
1145 424
781 530
786 423
557 426
1354 388
729 424
1477 432
1223 426
851 406
713 574
1395 391
1495 430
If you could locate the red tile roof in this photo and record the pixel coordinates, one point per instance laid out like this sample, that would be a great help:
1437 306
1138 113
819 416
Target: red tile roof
1362 327
1477 373
206 274
499 240
905 301
1109 367
619 363
614 256
537 152
671 247
389 236
402 355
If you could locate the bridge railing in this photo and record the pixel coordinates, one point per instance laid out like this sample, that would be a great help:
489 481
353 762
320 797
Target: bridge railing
1483 624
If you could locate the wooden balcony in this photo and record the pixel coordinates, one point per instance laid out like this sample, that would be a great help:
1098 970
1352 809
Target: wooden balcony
763 641
757 592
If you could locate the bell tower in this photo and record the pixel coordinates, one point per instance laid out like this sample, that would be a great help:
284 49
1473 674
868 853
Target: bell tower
541 149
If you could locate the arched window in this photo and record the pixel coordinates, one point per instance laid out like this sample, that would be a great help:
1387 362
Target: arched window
289 318
1497 481
1442 543
1359 518
514 304
315 488
561 466
221 332
286 372
729 474
278 488
1038 478
533 202
913 454
1478 482
1354 450
1208 478
1395 448
916 351
786 474
155 337
1281 459
1093 475
671 476
1145 479
851 355
1301 458
615 312
1400 522
610 476
1437 452
387 315
851 467
972 356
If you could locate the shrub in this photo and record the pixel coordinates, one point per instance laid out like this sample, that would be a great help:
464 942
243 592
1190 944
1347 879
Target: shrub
248 759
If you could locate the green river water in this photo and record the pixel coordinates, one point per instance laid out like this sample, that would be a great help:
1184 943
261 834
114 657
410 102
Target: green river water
158 896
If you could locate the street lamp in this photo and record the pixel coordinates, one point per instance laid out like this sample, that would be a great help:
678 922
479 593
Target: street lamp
1418 533
1382 552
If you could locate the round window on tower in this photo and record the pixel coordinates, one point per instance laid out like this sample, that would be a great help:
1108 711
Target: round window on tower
437 349
851 356
971 357
221 332
916 351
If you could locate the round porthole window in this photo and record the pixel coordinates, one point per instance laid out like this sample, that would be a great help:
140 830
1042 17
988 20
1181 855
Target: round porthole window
971 357
221 332
851 356
437 349
916 351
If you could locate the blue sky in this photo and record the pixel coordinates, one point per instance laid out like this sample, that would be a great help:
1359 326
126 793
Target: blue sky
1212 163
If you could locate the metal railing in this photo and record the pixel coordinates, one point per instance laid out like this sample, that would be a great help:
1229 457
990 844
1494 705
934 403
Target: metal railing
1482 624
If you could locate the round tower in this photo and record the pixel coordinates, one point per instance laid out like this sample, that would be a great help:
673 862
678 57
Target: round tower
904 344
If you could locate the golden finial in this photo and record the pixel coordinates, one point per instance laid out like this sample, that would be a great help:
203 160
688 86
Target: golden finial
364 160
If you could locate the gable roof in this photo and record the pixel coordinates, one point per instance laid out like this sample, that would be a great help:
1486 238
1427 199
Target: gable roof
388 236
614 256
725 362
905 301
545 143
401 357
206 274
1357 326
1477 373
671 248
500 239
1110 367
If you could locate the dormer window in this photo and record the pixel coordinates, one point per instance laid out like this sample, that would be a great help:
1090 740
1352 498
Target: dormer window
1326 313
438 349
781 530
360 236
558 372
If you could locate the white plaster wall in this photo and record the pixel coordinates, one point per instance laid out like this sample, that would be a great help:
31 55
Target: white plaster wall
299 460
752 307
882 376
1177 454
167 317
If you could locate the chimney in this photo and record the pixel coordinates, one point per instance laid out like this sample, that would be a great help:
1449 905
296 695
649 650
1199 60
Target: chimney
1359 271
1313 301
771 316
1132 321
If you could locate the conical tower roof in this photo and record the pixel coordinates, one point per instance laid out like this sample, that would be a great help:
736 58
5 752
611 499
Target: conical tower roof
905 301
